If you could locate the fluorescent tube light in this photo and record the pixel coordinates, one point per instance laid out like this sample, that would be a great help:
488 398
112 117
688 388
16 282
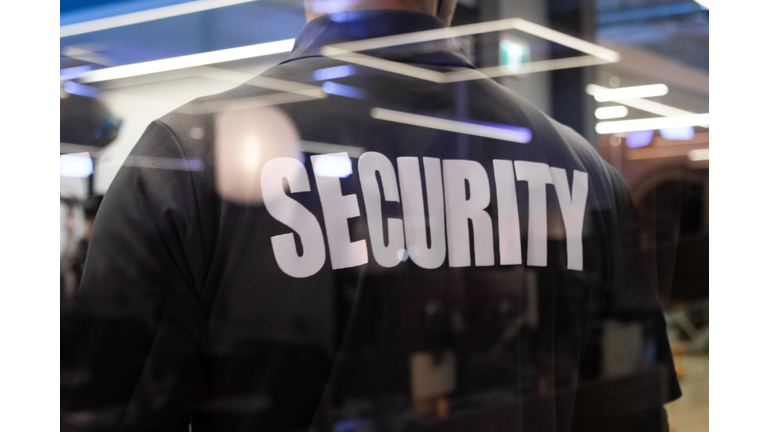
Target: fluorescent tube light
652 123
611 112
631 92
500 132
187 61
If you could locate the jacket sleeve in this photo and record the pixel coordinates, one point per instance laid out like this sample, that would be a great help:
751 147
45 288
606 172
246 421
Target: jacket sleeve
136 356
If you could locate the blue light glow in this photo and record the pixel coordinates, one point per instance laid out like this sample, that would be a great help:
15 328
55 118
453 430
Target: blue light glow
73 72
520 134
75 166
332 166
334 72
678 133
646 13
639 138
342 90
72 87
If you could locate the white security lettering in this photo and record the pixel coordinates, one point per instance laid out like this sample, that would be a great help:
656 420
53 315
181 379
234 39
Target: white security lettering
368 165
509 221
572 205
455 220
337 209
294 215
432 256
538 177
460 209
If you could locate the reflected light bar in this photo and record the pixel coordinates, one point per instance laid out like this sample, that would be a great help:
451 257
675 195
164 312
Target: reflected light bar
72 87
611 112
334 72
704 3
628 92
145 15
698 155
644 104
75 165
188 61
500 132
652 123
73 72
337 89
684 133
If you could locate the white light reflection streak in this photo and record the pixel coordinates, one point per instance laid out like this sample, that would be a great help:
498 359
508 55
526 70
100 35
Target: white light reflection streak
637 92
145 15
188 61
522 135
646 105
651 123
611 112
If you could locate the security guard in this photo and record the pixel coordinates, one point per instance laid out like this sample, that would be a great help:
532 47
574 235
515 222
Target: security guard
346 244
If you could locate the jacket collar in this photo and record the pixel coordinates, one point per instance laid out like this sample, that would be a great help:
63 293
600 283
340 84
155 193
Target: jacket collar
367 24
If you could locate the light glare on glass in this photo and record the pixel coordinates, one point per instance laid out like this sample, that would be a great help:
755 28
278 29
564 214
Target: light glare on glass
333 166
611 112
75 166
651 123
637 92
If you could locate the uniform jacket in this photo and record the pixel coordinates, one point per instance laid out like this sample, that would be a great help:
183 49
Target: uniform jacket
333 246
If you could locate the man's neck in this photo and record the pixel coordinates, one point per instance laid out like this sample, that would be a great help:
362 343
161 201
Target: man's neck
317 8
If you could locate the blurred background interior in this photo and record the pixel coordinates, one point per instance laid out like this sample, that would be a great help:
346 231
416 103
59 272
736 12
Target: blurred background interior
125 63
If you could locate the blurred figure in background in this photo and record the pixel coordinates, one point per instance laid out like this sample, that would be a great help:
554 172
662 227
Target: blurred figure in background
389 253
75 250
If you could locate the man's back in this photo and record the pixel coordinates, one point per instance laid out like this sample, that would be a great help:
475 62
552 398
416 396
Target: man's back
391 253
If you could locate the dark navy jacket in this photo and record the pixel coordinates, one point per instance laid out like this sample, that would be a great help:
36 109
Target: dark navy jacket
335 247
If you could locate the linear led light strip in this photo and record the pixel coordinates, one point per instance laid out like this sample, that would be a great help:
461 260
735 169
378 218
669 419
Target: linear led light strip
652 123
187 61
259 81
349 51
603 94
519 136
486 27
646 105
145 15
